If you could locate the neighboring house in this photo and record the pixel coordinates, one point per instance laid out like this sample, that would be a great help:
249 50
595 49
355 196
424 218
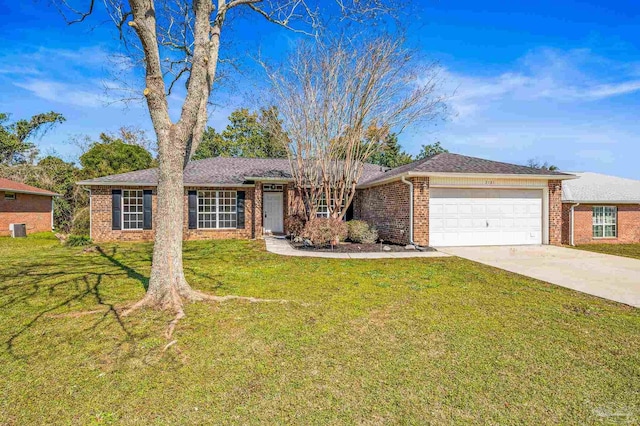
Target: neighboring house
444 200
20 203
600 209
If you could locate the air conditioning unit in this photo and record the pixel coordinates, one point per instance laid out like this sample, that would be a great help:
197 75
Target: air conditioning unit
18 230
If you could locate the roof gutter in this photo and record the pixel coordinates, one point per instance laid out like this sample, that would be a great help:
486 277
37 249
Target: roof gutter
405 181
572 223
600 202
268 179
20 191
466 175
194 185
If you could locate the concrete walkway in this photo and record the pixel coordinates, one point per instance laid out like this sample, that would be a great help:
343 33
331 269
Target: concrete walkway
610 277
282 247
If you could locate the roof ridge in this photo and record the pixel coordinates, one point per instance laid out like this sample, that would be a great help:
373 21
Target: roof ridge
499 162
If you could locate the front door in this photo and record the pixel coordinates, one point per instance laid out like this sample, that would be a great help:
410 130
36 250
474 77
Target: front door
272 206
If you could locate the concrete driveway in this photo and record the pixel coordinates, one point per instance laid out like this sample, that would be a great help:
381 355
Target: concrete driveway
610 277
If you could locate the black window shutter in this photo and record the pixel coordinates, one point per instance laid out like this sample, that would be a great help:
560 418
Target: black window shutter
147 202
240 209
193 209
116 209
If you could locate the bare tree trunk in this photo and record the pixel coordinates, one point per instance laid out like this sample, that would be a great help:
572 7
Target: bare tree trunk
180 40
167 285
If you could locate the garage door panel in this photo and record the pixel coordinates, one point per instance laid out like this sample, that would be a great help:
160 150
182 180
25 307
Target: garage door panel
467 217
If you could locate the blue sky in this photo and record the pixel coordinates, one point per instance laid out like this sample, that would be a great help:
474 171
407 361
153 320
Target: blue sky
559 81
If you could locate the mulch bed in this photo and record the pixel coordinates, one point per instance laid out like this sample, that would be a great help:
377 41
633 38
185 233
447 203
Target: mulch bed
348 247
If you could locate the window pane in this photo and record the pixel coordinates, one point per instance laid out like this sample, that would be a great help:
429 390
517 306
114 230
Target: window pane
226 209
610 231
597 231
206 205
610 215
132 209
598 215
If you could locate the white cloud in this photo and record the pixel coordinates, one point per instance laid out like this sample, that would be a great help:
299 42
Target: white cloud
564 107
63 93
545 74
19 70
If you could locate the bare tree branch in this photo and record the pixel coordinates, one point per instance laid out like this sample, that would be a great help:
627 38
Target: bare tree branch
339 101
81 16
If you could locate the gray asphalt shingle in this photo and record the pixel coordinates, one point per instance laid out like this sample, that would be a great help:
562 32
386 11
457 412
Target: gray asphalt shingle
600 188
220 170
456 163
225 170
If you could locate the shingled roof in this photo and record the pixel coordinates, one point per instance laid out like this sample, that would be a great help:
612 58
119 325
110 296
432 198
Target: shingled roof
456 163
230 171
599 188
21 188
219 171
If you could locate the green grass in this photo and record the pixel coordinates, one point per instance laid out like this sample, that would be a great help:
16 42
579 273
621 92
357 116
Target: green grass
626 250
412 341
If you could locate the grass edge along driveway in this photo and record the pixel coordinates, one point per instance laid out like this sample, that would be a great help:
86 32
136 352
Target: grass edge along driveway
624 250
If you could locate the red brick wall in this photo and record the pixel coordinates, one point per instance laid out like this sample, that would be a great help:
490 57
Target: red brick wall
566 224
258 230
33 210
628 225
387 208
101 218
420 210
555 212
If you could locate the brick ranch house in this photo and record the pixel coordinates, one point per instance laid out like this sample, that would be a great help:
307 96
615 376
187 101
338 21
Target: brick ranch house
599 209
20 203
444 200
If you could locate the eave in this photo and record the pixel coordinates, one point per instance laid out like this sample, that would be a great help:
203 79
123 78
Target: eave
466 175
186 184
22 191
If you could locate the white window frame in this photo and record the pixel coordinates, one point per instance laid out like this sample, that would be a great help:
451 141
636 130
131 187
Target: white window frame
10 196
138 194
322 211
323 208
600 221
219 216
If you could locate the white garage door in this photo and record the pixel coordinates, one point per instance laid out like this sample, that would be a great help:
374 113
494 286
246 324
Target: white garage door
484 217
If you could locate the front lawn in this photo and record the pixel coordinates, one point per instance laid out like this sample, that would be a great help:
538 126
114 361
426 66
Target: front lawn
626 250
411 341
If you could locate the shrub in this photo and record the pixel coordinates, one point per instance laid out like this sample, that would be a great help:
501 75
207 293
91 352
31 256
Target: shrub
322 231
294 224
81 221
78 240
361 232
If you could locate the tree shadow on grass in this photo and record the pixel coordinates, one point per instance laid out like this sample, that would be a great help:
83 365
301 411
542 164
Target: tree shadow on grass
79 281
131 273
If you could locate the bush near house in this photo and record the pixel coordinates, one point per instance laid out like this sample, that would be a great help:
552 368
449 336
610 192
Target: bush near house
294 224
78 240
322 232
361 232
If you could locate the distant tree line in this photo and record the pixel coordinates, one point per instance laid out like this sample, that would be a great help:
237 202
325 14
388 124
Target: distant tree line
258 134
120 152
250 134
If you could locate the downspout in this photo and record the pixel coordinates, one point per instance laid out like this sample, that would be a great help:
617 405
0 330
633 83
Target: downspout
572 223
410 209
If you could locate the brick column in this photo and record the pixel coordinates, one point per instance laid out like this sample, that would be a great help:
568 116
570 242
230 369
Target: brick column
420 210
257 211
555 212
